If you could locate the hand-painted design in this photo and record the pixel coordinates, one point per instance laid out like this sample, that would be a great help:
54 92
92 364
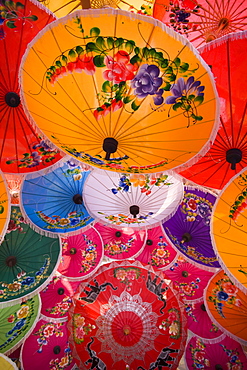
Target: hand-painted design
241 201
10 13
126 275
124 219
189 307
61 308
234 361
95 290
42 153
16 219
89 255
162 359
191 251
20 320
157 289
198 355
56 222
160 254
172 324
123 73
80 328
118 247
193 206
145 182
64 362
224 295
1 205
145 9
180 12
214 328
46 331
114 163
23 282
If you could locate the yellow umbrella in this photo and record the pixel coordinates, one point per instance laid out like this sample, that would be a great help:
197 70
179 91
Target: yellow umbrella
4 206
229 227
119 91
6 363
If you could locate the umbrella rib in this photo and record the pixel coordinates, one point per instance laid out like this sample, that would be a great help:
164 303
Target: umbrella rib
238 141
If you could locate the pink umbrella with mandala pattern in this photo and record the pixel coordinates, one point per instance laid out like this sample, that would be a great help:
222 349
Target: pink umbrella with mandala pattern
48 346
56 298
225 354
123 243
158 251
81 254
125 317
188 279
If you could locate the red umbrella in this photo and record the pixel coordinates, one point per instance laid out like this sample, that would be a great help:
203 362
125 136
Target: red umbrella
21 147
228 154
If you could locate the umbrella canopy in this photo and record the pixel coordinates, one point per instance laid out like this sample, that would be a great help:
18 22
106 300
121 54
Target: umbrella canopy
119 91
22 148
227 306
158 251
135 200
126 315
189 228
189 280
4 206
56 298
199 322
222 355
228 154
16 323
6 363
48 346
201 20
27 260
52 201
123 243
81 254
229 227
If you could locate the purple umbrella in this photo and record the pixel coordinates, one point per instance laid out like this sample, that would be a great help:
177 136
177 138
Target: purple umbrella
189 228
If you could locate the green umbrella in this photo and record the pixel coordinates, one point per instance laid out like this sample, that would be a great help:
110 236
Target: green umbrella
16 322
27 260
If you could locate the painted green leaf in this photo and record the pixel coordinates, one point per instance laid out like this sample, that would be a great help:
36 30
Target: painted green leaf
171 77
100 43
79 49
106 87
167 86
135 105
1 209
176 106
137 50
184 67
64 59
9 162
127 99
94 32
19 5
98 61
145 52
135 59
118 42
92 47
110 42
177 62
129 46
199 99
32 17
72 54
164 63
10 24
58 63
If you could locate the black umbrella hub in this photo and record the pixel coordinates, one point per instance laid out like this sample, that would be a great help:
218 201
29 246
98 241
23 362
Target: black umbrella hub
134 210
233 156
109 146
12 99
11 261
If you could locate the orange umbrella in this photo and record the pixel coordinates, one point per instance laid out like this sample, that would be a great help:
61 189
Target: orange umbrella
229 228
4 206
227 306
119 91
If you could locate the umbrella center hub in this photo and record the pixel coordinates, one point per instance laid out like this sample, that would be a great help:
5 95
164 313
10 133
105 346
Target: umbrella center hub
77 199
134 210
60 291
109 146
223 23
149 242
72 251
12 99
11 261
218 367
185 274
57 350
186 238
233 156
126 329
118 234
203 307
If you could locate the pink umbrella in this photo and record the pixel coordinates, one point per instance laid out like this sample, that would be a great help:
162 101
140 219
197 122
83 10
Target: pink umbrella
47 348
158 251
81 254
56 298
188 279
200 323
123 243
226 354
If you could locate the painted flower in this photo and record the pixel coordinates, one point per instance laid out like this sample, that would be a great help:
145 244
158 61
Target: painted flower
192 204
79 332
236 367
119 68
147 81
64 221
77 176
23 312
229 288
48 331
199 356
161 252
85 63
222 296
28 281
121 274
173 328
131 275
137 180
11 318
14 287
79 320
182 88
64 361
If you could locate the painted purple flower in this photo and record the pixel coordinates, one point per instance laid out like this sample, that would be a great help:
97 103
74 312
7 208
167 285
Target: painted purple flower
182 88
147 81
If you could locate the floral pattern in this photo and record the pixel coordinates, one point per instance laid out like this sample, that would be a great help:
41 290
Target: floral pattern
62 363
118 247
195 206
240 203
16 219
124 219
61 308
10 13
127 275
89 255
172 323
160 254
224 295
73 219
46 331
80 328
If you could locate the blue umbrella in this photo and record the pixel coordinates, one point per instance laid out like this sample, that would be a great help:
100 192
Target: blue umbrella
53 200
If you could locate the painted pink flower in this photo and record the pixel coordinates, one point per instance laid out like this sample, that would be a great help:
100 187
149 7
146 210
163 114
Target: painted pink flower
199 356
85 63
119 68
236 367
229 288
79 332
131 275
48 331
121 274
172 316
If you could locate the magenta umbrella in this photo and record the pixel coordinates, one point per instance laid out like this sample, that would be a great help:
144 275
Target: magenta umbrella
188 279
56 298
158 251
47 347
199 322
226 354
81 254
123 243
